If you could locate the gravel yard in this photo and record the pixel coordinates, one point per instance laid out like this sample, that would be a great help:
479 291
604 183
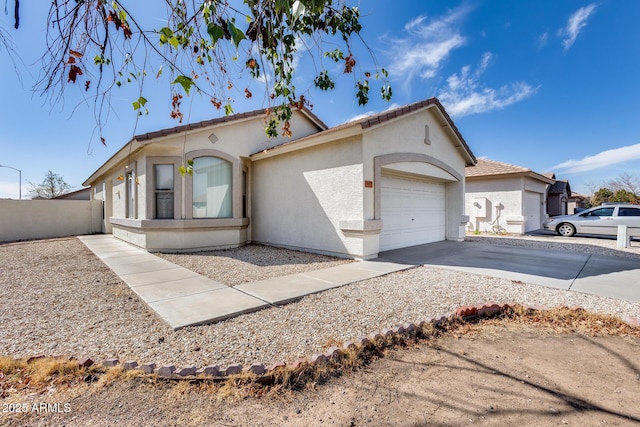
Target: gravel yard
251 263
58 299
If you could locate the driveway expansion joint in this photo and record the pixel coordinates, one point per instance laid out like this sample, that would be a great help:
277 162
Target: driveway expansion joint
580 272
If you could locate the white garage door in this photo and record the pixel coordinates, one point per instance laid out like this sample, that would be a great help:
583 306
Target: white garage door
532 211
413 212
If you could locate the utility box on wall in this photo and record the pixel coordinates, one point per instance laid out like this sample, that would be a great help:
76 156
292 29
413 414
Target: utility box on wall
480 207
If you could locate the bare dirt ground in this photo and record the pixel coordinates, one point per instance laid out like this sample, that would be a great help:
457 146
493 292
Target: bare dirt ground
495 373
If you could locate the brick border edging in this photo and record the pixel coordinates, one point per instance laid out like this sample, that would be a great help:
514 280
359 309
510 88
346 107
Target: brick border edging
266 374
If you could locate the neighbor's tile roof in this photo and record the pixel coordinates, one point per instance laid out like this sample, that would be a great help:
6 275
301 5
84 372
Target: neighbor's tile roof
491 168
559 187
486 167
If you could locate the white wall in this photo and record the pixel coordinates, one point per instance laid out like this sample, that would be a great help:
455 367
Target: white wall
42 219
497 204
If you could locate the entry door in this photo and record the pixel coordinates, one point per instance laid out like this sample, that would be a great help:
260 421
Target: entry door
413 212
532 207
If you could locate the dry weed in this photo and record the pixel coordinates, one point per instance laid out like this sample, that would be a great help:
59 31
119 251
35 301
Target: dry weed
39 373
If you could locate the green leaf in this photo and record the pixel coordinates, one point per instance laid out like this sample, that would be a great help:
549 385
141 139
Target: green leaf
216 32
173 41
386 92
236 35
228 109
185 82
99 59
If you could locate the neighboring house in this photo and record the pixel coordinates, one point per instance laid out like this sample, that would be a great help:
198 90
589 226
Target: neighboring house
577 202
558 197
82 194
391 180
505 198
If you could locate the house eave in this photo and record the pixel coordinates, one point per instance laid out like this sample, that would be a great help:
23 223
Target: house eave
127 150
524 174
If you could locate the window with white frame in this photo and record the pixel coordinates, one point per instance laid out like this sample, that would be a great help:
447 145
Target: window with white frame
164 191
131 194
212 181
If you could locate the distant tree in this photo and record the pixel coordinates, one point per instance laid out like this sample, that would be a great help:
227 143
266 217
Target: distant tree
52 185
627 182
624 196
601 196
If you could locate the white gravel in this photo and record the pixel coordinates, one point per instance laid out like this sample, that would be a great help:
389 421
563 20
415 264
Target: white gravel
251 263
57 298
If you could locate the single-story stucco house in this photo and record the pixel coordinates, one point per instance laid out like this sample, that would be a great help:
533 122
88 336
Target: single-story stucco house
390 180
500 197
81 194
577 202
558 196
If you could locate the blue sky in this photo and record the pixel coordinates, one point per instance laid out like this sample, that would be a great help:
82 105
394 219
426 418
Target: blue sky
546 84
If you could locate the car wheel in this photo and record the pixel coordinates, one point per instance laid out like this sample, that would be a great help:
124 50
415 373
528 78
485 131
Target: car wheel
565 229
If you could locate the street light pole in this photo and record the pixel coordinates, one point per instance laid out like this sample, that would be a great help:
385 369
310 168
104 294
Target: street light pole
19 178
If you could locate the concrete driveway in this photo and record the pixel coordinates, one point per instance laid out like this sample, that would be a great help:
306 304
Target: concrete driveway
610 276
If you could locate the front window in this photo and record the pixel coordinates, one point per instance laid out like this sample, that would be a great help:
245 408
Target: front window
164 191
211 188
131 194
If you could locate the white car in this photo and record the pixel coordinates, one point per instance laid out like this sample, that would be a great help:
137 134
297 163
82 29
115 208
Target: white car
599 220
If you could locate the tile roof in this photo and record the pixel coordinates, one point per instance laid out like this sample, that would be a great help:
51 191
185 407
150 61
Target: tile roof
220 120
491 168
559 187
385 116
486 167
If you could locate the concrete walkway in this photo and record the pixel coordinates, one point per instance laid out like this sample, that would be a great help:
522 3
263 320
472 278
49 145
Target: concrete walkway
182 297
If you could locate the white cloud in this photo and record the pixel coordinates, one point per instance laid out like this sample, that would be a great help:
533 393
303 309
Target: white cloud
464 94
601 160
371 113
577 21
428 44
542 40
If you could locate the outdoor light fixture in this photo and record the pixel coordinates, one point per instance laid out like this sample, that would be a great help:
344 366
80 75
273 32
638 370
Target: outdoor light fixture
19 179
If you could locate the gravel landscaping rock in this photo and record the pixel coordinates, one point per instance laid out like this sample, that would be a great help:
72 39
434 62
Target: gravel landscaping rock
251 263
58 299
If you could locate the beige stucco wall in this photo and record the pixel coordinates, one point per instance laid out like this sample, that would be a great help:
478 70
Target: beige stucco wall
497 204
40 219
237 139
300 198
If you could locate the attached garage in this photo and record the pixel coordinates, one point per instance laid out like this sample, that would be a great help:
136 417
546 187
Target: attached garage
531 211
413 211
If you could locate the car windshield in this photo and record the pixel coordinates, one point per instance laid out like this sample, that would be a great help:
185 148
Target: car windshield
600 212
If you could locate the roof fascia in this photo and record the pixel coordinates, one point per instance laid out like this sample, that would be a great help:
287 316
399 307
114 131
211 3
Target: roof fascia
128 149
526 174
449 126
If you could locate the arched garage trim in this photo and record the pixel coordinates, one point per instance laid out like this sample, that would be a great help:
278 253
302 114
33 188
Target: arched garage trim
387 159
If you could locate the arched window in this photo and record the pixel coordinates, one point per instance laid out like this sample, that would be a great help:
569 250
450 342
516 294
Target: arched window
212 195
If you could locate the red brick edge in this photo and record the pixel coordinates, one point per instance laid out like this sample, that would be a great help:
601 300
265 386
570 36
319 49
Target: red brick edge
215 372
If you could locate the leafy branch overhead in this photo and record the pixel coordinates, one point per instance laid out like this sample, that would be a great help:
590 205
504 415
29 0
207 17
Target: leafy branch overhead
206 47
